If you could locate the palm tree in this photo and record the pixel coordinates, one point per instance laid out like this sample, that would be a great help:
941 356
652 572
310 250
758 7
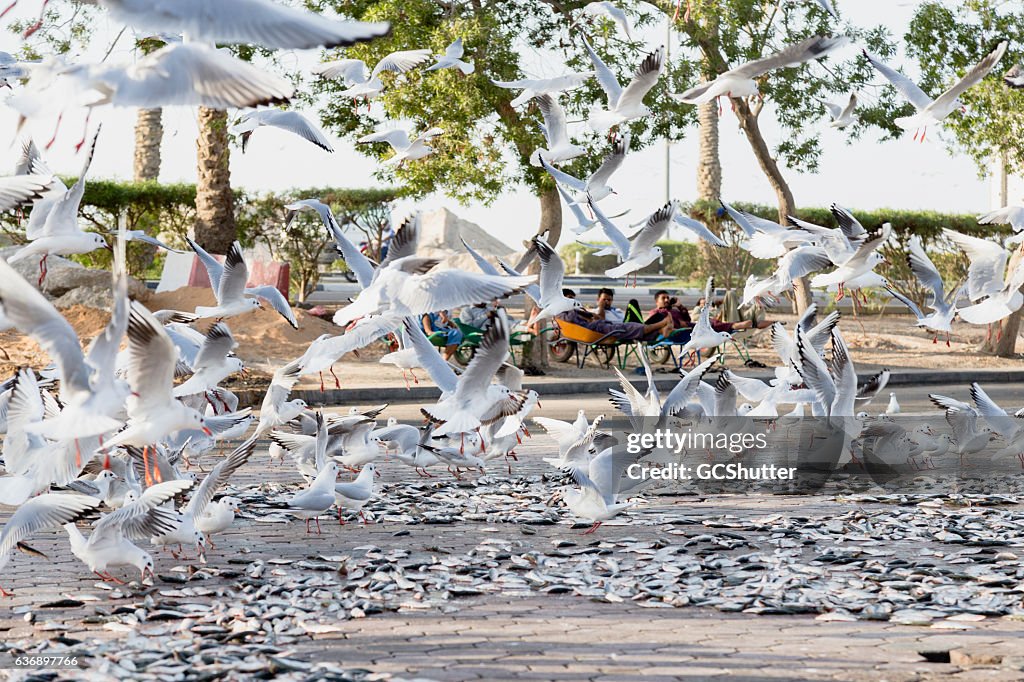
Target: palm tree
215 203
149 135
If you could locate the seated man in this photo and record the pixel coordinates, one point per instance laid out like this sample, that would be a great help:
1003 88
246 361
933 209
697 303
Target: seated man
623 331
477 315
606 309
668 305
440 322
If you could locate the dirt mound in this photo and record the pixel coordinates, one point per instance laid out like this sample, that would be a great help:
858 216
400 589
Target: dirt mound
23 351
264 337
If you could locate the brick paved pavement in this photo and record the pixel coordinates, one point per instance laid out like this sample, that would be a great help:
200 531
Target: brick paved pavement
498 637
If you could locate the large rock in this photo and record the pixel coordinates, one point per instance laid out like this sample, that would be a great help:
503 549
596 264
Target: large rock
68 283
440 233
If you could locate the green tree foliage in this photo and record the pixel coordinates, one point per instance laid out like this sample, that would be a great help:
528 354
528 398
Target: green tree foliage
948 38
487 143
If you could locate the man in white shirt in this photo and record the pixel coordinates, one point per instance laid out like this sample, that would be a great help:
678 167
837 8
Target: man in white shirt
605 310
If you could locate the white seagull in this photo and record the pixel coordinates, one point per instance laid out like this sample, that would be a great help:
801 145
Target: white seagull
153 412
51 510
742 80
1008 215
988 278
212 364
364 83
596 185
291 121
56 231
452 59
560 147
552 271
860 263
934 111
703 335
110 543
642 249
624 104
942 305
612 12
228 282
405 150
190 74
353 496
842 115
257 22
532 87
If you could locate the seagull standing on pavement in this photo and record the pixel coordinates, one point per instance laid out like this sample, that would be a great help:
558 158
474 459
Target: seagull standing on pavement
943 305
533 87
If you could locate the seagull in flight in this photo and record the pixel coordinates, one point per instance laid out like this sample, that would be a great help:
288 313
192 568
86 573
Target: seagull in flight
842 115
405 150
742 80
624 104
534 87
931 111
452 59
291 121
236 22
560 147
943 306
368 84
228 283
596 185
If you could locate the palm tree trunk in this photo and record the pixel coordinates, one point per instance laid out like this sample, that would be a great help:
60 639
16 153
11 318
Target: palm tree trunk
149 135
215 204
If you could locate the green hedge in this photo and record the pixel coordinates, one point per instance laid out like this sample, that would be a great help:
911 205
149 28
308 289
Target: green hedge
168 211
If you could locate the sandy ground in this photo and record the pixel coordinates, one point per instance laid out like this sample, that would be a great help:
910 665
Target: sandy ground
266 341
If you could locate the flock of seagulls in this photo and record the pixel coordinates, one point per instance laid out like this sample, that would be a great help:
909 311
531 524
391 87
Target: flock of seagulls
105 434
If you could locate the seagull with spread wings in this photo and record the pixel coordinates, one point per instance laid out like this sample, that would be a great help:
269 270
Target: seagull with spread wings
624 104
931 111
229 286
290 121
741 81
404 148
364 83
942 305
596 185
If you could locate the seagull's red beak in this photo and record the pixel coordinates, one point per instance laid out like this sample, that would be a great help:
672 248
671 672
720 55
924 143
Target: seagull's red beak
207 431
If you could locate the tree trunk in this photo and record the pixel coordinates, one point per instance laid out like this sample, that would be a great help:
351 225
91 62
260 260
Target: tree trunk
1002 339
550 229
215 203
784 195
709 169
149 135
